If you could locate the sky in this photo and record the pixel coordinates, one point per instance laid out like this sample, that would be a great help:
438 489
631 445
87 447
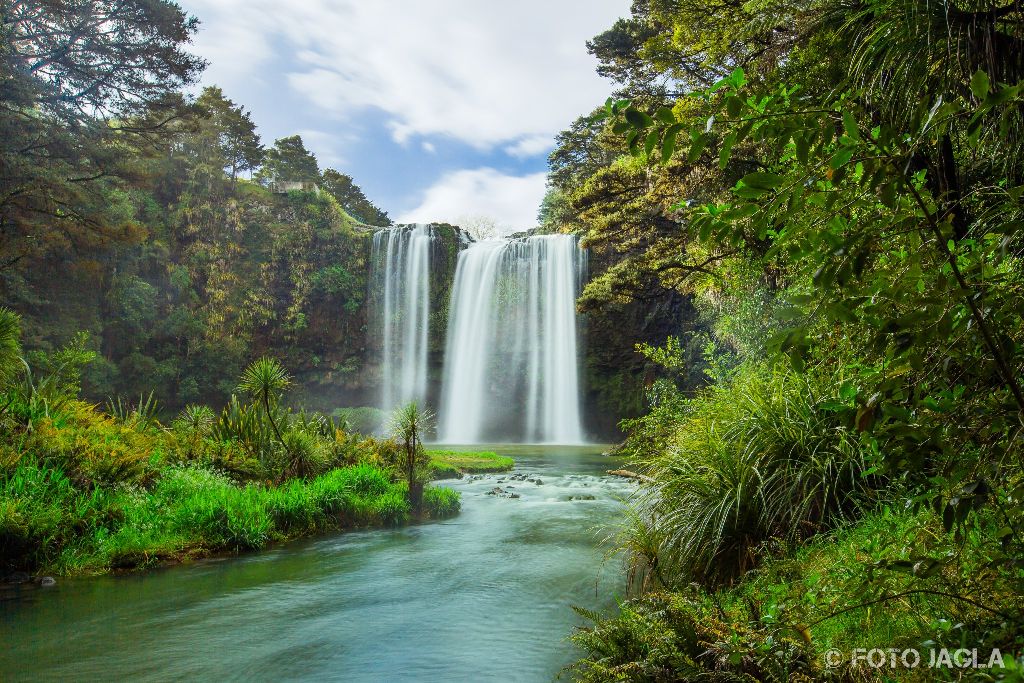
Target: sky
441 111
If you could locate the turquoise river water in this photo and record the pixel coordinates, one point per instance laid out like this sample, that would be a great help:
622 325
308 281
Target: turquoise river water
486 595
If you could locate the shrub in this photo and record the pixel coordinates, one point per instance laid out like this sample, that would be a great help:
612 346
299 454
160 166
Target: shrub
763 457
93 448
362 420
390 509
41 511
674 637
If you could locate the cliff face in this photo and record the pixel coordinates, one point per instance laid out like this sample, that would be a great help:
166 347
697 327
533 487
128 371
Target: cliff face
617 376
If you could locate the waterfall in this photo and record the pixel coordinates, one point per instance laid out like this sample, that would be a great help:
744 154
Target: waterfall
400 282
511 359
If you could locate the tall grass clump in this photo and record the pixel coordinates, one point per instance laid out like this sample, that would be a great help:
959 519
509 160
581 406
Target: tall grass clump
441 502
762 457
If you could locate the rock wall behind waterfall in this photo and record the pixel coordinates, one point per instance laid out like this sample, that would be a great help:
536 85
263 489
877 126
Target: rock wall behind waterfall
359 381
616 376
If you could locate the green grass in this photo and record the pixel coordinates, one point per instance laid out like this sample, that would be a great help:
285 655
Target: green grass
756 460
454 464
48 524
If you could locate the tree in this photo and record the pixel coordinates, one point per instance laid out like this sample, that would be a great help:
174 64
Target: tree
233 130
79 80
265 380
479 226
408 424
289 159
351 197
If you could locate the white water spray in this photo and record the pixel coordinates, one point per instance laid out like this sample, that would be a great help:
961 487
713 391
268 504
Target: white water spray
511 356
400 277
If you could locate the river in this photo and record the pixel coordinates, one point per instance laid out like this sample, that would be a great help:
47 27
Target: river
483 596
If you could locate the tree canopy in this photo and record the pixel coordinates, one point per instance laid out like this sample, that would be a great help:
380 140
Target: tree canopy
79 81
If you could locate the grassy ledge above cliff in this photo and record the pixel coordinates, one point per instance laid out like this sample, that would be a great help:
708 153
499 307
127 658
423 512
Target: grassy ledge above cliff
454 464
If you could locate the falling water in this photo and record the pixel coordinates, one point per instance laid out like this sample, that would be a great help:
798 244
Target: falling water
511 356
401 285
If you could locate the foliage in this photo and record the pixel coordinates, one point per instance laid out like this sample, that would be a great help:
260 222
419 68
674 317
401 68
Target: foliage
232 130
761 458
49 523
141 415
10 345
81 83
848 589
84 490
673 637
362 420
289 160
836 186
352 199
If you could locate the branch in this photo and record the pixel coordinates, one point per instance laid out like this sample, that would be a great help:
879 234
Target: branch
917 591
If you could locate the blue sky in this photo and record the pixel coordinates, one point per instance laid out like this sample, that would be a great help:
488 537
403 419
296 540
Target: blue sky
442 110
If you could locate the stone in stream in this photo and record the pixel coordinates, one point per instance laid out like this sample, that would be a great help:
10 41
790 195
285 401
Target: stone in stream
47 582
18 577
502 493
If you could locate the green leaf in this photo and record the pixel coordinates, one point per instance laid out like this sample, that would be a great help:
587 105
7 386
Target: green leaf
803 147
665 115
850 125
888 194
668 143
633 141
651 142
733 106
980 85
723 155
738 78
699 143
762 181
841 158
638 119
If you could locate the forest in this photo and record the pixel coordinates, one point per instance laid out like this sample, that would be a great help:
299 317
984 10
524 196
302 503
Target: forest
837 185
802 322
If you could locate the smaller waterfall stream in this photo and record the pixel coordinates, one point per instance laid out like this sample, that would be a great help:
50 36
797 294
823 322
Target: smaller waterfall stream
511 356
400 277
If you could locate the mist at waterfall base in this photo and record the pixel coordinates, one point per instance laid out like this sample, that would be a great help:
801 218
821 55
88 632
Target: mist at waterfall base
511 351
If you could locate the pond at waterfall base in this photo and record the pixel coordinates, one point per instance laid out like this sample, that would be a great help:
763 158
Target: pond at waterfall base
486 595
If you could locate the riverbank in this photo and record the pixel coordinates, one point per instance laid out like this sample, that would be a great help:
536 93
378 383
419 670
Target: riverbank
47 525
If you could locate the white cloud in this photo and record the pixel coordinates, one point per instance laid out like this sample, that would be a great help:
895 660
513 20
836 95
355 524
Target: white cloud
512 201
530 146
484 73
